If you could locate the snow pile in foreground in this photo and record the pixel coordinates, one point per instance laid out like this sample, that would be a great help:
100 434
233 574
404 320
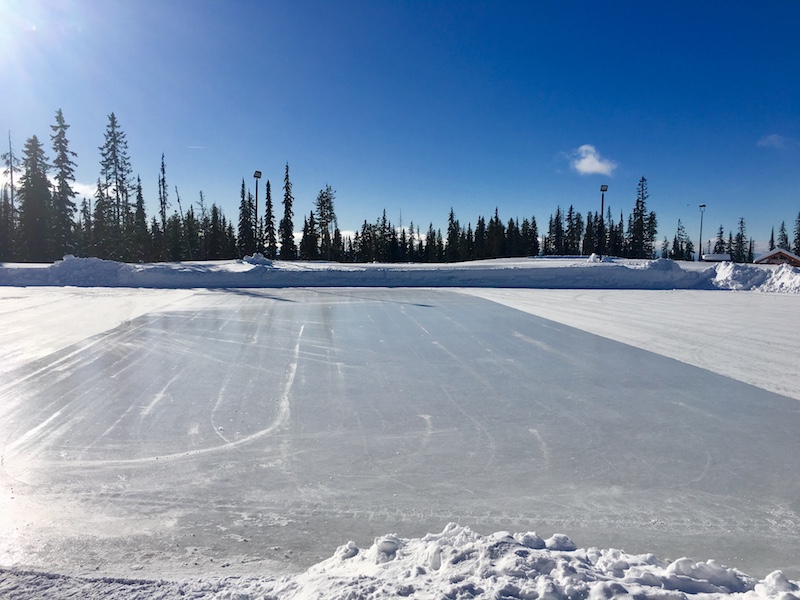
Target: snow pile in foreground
457 563
530 273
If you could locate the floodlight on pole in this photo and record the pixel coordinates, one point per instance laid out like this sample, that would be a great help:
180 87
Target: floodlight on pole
602 241
257 175
700 249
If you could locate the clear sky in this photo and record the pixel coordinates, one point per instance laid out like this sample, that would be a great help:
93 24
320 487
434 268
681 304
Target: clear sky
417 107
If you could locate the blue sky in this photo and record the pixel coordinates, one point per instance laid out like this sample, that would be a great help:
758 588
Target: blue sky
417 107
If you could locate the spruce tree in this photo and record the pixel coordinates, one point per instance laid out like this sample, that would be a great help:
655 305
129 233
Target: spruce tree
796 245
326 220
783 237
740 243
63 195
163 197
269 226
191 230
288 246
83 230
6 226
642 227
534 248
246 242
34 203
141 241
719 243
480 239
117 175
102 224
216 238
11 168
309 242
453 234
771 246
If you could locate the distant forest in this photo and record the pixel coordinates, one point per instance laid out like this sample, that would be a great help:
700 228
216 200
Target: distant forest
41 222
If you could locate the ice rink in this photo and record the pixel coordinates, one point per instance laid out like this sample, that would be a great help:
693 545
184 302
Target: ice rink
256 430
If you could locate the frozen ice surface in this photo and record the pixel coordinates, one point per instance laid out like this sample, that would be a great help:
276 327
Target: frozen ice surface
261 429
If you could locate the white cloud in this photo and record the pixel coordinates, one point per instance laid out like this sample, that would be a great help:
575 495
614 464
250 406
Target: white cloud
84 190
586 160
775 140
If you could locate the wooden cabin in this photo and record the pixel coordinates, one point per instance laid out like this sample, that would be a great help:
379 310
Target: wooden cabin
779 256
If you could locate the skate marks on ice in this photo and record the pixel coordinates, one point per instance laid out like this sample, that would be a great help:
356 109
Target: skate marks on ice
327 416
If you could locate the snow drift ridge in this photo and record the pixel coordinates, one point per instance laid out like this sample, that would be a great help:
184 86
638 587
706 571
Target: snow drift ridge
542 273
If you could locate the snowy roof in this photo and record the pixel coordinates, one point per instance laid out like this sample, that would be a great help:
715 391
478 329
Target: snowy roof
779 252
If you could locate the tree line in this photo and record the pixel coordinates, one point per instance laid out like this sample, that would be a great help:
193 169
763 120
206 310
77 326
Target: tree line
40 221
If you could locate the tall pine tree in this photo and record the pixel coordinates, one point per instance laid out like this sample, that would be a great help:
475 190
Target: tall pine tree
34 203
288 246
117 177
63 195
270 236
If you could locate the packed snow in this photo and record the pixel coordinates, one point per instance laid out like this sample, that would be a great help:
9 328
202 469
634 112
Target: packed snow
737 321
528 273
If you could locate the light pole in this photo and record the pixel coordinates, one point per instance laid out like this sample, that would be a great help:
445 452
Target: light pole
257 175
700 248
602 241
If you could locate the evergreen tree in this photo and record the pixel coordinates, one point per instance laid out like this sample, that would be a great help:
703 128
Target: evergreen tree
141 250
102 235
191 230
205 228
83 230
11 167
682 247
719 243
783 237
63 195
163 200
495 237
326 220
796 245
480 239
771 246
288 246
591 234
740 243
230 240
216 238
34 203
453 236
555 234
247 241
116 174
534 248
573 232
642 226
309 243
174 237
6 226
269 226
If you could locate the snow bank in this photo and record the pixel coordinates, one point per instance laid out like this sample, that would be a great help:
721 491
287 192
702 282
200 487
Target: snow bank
457 563
531 273
767 278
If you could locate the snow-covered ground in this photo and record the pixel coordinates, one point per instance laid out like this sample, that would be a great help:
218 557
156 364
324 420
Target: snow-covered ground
131 420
